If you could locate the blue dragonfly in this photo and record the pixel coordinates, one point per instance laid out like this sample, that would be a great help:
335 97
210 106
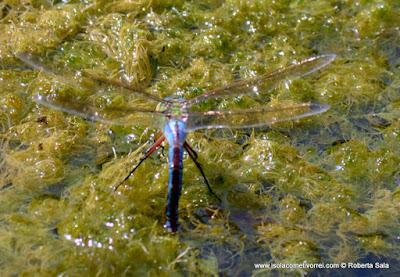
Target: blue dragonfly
174 115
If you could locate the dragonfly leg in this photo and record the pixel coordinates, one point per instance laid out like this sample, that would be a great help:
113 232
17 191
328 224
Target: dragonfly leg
193 155
148 152
160 134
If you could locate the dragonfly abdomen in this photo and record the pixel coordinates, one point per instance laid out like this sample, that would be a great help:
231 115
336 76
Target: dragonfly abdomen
175 133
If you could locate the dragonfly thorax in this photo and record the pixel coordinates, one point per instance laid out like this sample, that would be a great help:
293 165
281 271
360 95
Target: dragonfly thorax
175 108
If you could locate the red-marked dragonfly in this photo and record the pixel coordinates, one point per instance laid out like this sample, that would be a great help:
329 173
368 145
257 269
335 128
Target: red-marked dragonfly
174 115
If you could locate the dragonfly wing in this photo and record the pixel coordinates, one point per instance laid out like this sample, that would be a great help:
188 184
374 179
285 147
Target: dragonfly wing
252 118
86 98
84 79
266 82
93 108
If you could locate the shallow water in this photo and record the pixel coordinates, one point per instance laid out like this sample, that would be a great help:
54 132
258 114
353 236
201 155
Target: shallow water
325 189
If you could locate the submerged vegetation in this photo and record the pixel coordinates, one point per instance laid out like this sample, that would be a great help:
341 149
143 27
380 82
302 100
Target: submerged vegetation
323 189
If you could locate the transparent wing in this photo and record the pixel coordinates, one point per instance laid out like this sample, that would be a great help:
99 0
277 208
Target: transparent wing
266 82
252 118
37 64
93 102
101 110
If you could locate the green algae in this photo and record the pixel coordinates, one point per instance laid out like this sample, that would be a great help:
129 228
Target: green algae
324 189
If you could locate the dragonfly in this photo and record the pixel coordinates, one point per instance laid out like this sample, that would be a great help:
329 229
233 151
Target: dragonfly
175 116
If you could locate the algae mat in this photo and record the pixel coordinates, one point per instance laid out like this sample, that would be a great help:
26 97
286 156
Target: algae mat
322 190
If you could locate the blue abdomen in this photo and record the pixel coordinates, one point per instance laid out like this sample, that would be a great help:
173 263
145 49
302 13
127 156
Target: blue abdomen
175 133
